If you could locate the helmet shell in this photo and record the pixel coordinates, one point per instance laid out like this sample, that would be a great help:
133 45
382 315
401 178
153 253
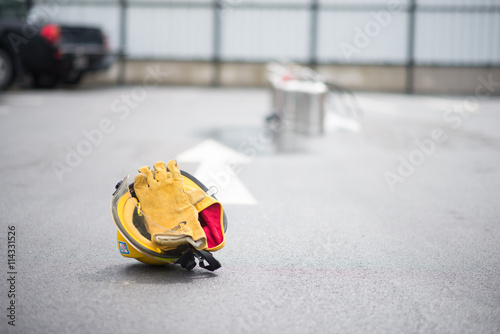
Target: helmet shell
134 241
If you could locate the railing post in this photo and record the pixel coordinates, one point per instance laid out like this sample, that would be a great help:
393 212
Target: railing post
123 41
216 41
313 34
410 65
28 4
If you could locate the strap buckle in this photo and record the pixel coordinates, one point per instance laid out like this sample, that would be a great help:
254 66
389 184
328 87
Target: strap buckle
187 260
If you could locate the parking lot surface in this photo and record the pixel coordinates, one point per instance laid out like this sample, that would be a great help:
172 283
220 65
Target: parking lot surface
388 223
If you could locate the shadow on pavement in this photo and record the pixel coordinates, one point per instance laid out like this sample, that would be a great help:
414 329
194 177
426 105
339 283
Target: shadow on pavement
138 273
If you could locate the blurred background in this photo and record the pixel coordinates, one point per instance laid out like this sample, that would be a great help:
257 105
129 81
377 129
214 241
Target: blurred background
361 186
414 46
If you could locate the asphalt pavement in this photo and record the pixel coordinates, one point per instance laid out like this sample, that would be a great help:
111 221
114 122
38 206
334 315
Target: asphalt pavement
388 223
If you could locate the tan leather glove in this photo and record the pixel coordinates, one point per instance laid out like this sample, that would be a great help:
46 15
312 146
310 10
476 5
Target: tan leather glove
172 218
194 195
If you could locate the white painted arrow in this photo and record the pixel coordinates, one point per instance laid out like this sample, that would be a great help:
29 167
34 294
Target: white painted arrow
215 169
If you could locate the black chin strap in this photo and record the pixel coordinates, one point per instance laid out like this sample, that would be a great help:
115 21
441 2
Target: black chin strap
187 260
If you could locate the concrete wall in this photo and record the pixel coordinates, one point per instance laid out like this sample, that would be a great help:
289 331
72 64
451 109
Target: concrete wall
453 80
427 80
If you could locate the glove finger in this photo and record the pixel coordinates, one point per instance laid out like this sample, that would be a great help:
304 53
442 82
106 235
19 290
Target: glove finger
140 181
161 171
176 172
150 179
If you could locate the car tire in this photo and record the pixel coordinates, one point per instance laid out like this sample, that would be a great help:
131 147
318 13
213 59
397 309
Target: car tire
45 80
73 78
6 70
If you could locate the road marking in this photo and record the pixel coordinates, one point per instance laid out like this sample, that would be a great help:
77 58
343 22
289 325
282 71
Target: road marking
216 169
334 122
374 105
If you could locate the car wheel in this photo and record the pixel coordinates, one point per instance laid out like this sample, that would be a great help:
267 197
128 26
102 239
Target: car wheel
6 70
73 77
45 80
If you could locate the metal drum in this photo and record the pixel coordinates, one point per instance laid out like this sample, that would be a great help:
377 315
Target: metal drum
299 109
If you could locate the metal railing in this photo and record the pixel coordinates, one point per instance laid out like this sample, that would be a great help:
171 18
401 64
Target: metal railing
313 32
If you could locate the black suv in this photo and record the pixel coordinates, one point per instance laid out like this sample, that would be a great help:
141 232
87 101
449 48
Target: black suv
50 53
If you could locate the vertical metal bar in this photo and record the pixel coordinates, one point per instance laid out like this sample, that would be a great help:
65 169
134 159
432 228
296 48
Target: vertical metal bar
488 40
410 65
28 4
313 34
123 40
216 41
